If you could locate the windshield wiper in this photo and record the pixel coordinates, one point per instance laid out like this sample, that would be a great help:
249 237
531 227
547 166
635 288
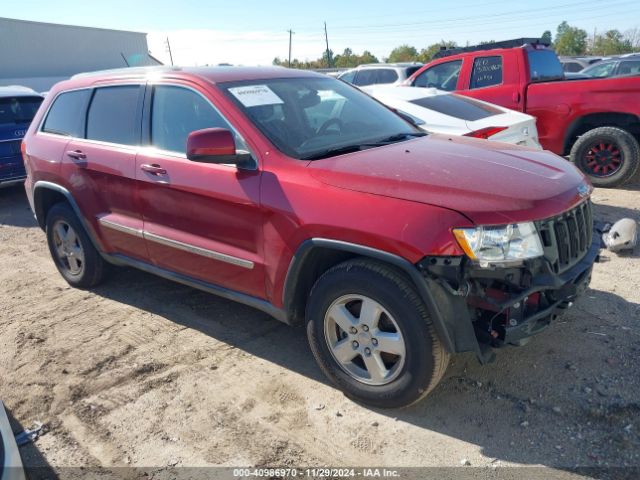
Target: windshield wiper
332 152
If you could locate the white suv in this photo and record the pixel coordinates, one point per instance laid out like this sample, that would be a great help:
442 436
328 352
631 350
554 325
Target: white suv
380 73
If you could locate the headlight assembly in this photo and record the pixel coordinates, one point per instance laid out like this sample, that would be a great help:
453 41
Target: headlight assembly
500 244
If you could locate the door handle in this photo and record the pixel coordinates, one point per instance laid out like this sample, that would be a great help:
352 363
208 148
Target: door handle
76 154
153 169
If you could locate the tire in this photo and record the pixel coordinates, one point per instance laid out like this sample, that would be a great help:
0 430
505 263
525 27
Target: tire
403 319
73 253
609 156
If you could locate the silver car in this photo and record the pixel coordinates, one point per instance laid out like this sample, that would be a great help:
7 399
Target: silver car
380 73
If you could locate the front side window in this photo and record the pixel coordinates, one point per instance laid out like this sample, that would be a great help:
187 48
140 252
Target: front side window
176 112
487 71
312 118
366 76
66 115
387 76
601 70
571 67
112 115
18 110
443 76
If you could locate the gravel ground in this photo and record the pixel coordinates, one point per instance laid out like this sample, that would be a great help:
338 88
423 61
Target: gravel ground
144 372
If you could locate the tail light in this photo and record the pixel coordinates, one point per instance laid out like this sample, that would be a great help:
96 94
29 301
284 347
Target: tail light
485 132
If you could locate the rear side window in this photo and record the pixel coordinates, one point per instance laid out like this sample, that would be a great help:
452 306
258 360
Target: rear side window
544 65
387 76
487 71
176 112
443 76
66 115
18 110
458 106
629 67
112 115
411 70
571 67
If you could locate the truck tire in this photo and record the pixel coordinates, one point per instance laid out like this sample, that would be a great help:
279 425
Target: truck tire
372 335
73 253
609 156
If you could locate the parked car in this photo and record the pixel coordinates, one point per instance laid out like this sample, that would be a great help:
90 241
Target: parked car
614 67
592 120
18 105
379 74
576 64
397 248
442 112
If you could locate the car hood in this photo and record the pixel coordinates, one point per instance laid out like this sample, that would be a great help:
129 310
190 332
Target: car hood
489 182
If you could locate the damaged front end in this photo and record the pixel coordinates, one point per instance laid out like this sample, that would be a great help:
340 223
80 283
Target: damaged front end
486 307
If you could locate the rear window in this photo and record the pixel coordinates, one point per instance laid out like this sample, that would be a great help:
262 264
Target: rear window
66 115
17 110
411 70
112 115
544 65
458 106
487 71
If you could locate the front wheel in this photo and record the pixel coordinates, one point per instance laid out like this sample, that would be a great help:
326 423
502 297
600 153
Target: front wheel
609 156
372 336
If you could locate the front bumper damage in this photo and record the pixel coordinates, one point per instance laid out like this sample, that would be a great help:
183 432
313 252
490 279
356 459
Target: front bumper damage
487 308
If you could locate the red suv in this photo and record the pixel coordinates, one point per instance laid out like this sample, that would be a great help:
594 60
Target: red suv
299 195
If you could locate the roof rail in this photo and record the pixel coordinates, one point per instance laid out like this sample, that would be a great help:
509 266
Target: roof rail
518 42
127 71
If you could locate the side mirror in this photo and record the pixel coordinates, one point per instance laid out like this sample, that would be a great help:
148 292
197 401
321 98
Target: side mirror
215 145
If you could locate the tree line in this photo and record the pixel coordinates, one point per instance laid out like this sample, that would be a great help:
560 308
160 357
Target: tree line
568 40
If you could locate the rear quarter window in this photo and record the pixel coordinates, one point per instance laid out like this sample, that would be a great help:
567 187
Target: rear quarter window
112 115
66 115
458 106
544 66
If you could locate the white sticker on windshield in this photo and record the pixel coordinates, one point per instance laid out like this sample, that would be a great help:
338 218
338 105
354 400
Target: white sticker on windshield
255 95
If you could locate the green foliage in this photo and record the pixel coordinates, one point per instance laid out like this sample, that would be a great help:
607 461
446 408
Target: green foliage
426 54
611 43
349 60
546 37
403 53
570 40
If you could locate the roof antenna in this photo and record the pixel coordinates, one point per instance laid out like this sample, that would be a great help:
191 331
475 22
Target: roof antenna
125 59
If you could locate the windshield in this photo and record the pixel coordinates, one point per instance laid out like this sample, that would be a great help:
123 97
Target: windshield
16 110
312 118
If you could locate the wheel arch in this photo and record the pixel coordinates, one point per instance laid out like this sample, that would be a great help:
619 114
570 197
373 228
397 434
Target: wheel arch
46 195
581 125
317 255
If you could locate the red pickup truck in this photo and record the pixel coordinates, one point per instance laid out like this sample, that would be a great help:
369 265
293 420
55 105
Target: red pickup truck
596 121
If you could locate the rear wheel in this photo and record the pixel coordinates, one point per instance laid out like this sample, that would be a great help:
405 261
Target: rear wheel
372 336
73 253
609 156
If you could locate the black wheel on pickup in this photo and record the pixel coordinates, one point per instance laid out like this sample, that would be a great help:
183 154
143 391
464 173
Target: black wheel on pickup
372 335
73 253
609 156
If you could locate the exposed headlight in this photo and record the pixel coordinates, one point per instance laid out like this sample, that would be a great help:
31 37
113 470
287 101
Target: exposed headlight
501 244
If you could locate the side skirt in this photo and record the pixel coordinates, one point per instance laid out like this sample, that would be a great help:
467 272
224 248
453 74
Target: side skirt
258 303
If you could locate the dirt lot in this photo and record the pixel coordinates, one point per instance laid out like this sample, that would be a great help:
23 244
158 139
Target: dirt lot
145 372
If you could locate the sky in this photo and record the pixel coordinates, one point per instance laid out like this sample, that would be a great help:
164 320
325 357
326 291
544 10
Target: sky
254 32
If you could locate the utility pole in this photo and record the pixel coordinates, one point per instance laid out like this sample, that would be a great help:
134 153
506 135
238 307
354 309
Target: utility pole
291 32
326 38
169 49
